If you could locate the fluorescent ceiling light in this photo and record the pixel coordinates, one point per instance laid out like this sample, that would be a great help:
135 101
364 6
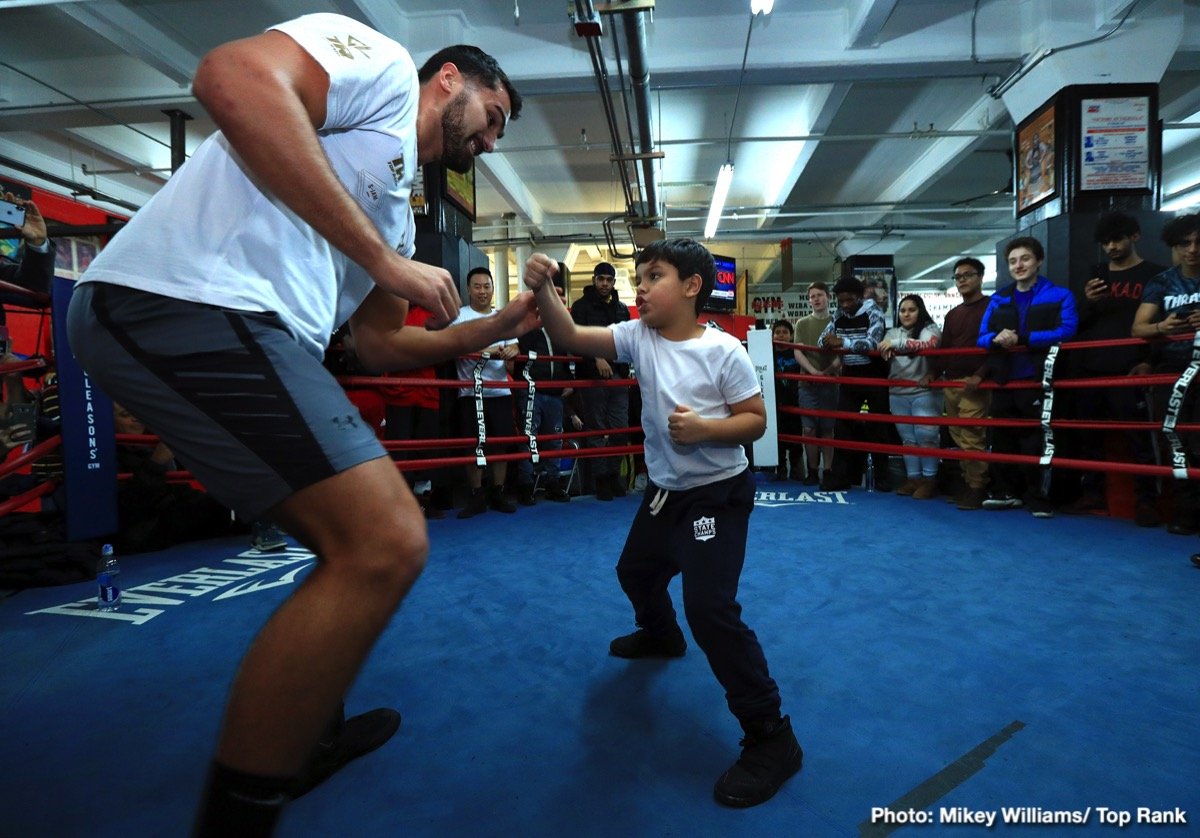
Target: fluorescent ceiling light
720 192
1183 199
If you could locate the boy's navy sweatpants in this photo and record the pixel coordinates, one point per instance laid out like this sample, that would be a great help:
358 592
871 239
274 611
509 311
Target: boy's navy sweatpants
701 534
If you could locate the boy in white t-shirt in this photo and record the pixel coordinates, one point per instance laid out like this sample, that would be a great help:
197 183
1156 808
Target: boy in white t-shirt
701 401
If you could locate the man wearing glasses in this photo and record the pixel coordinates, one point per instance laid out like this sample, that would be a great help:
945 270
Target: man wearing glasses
961 330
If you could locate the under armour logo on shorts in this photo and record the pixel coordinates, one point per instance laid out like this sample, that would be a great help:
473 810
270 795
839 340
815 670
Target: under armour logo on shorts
704 528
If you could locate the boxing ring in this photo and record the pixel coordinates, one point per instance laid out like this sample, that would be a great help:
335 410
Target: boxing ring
933 665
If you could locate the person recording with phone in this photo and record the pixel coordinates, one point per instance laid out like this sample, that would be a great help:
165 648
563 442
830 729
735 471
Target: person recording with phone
35 269
1107 307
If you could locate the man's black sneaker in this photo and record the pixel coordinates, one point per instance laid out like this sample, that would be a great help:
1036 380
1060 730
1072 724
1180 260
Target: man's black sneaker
358 735
498 502
525 495
604 487
1041 508
476 505
1146 514
1196 559
641 644
1003 501
770 754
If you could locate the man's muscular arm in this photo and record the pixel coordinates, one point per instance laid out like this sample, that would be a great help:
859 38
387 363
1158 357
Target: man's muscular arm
384 344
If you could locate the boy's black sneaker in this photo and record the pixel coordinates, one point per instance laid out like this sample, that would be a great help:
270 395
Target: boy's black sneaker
642 644
358 735
770 754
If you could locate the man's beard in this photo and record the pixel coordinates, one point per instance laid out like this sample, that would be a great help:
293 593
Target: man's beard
456 148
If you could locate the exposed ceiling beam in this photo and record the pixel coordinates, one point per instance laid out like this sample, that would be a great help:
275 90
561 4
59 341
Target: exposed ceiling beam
134 34
499 173
868 23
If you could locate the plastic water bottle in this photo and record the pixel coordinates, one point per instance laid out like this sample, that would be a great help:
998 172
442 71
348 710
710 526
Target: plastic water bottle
869 477
108 584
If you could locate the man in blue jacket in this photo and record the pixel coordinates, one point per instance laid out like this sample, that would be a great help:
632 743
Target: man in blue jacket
1029 315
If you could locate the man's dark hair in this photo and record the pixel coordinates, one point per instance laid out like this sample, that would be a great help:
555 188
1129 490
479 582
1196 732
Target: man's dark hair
1179 229
784 323
975 264
1029 243
849 285
476 65
818 286
1114 226
604 269
688 257
479 270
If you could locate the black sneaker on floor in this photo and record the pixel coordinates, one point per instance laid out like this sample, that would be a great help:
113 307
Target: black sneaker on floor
641 644
499 502
770 755
604 487
1196 559
359 735
476 505
1146 515
1003 501
525 495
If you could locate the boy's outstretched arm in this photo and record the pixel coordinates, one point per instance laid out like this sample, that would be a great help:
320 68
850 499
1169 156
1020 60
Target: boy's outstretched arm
594 341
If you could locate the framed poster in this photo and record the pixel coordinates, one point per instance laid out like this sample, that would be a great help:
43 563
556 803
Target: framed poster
459 190
1114 143
1036 159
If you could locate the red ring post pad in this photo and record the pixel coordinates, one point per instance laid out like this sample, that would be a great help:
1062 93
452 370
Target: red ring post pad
89 447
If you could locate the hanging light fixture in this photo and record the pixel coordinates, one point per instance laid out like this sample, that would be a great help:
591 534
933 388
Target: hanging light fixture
720 192
725 173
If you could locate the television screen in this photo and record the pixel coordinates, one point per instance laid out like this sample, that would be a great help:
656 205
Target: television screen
724 294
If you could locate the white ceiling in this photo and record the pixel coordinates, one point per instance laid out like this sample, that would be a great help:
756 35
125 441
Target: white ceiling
860 127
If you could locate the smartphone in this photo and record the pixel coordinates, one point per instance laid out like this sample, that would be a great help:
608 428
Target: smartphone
11 215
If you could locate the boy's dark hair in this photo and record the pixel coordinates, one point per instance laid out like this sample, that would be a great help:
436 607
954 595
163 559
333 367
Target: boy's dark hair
785 323
688 257
476 65
923 317
1178 229
849 285
479 270
1029 243
1114 226
818 286
975 264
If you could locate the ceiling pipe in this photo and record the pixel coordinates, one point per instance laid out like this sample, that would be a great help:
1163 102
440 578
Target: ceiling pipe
639 76
76 188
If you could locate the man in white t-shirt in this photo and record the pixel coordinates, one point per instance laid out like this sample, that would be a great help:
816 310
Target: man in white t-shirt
208 314
492 415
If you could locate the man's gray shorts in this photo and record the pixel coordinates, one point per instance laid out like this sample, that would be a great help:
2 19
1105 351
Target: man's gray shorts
243 407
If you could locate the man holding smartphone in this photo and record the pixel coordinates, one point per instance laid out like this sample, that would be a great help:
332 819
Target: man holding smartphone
36 267
1107 307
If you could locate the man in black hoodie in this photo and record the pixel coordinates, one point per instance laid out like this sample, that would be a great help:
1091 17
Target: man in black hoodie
602 407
